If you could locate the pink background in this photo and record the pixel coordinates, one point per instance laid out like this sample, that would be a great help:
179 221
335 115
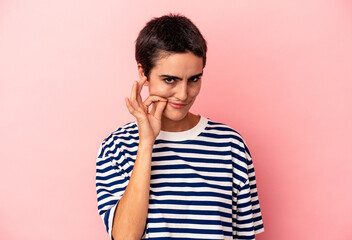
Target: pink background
279 72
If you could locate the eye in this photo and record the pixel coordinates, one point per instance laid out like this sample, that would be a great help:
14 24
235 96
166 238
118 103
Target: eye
169 80
195 79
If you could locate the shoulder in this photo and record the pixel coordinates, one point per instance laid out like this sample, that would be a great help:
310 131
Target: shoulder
221 128
124 135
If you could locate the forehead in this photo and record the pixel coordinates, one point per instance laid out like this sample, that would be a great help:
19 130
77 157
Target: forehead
179 64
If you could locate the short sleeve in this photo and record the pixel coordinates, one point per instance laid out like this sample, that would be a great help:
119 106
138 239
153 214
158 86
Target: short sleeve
247 215
111 181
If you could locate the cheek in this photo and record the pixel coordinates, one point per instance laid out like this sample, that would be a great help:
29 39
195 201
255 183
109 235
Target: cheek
194 91
161 91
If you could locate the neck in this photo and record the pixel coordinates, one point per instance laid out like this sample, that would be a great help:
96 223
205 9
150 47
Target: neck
188 122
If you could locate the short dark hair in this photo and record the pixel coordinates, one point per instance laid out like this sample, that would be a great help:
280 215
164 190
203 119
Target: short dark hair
165 35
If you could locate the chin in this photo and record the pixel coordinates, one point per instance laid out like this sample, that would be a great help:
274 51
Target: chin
175 116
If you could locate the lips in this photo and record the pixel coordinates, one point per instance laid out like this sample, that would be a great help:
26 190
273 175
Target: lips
177 105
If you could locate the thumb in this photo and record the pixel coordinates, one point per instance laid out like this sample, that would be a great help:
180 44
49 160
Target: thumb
159 109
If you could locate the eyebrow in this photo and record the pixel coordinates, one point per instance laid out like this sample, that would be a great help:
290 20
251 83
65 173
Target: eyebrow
170 76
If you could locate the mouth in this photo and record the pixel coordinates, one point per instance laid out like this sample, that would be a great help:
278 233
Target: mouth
177 105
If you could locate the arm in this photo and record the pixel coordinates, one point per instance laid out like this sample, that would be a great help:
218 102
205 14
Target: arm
132 210
247 214
131 213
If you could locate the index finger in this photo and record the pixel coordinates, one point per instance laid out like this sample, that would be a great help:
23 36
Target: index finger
154 98
133 91
139 89
141 83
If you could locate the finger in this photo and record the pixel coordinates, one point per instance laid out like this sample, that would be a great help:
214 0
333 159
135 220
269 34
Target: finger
155 104
140 86
132 110
133 91
160 107
152 112
153 98
133 95
129 106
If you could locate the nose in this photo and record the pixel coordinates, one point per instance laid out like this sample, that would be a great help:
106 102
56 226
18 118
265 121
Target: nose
182 91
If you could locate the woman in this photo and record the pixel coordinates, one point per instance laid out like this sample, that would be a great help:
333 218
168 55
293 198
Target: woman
192 177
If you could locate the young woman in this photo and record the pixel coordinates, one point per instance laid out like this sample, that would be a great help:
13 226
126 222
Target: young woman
173 174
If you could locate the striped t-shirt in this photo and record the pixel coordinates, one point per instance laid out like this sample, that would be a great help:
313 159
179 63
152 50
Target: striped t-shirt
202 186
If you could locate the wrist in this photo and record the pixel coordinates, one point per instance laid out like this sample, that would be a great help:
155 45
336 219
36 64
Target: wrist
146 143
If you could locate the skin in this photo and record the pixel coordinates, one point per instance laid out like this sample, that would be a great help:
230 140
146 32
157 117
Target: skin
132 210
184 66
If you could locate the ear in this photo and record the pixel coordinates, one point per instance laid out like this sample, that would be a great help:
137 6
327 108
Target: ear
141 74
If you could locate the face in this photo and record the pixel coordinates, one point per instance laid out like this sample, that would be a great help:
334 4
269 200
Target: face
177 78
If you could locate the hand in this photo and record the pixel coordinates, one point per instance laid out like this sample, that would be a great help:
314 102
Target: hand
149 124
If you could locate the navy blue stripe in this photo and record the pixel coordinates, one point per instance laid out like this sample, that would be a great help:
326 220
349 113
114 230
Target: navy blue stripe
191 230
190 203
191 212
222 136
106 177
175 238
109 194
106 219
190 221
208 143
112 202
102 162
250 237
238 157
191 175
239 197
244 205
236 146
193 150
124 139
191 159
111 191
191 193
240 168
240 178
247 150
104 170
245 213
259 227
184 166
110 184
193 185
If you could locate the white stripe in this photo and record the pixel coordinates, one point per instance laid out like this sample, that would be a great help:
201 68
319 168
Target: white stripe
191 189
193 217
190 155
122 159
188 235
185 171
191 226
192 164
205 199
192 207
189 180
